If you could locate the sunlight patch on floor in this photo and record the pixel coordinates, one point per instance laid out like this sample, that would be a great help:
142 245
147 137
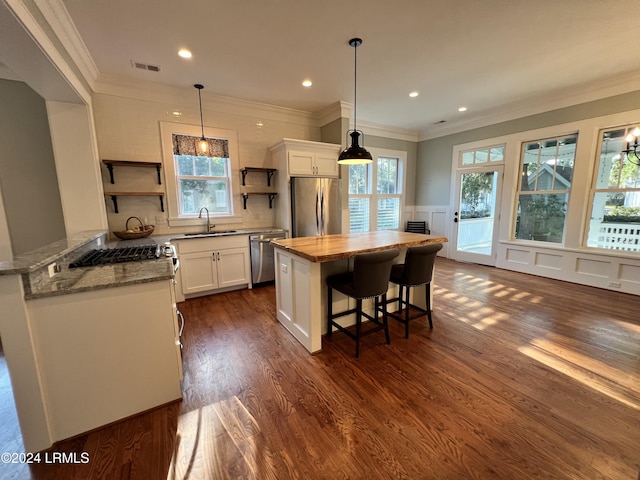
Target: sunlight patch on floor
222 434
620 386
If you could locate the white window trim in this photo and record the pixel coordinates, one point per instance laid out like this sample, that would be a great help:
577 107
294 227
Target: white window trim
372 179
167 129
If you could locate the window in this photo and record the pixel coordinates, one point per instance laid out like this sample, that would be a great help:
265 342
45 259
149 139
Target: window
482 156
195 181
375 193
546 168
615 195
202 181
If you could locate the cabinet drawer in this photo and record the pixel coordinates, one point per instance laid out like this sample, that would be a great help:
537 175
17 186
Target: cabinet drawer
193 245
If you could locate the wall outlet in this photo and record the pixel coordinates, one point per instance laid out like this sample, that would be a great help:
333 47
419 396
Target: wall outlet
161 220
53 269
615 284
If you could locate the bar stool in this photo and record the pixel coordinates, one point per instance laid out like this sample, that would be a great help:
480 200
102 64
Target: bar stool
369 278
416 270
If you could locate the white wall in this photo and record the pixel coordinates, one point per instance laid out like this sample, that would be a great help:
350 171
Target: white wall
128 128
28 183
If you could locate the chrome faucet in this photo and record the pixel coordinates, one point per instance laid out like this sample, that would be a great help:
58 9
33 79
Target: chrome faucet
209 226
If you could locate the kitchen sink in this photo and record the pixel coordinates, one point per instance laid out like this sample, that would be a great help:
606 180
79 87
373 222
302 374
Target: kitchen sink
210 234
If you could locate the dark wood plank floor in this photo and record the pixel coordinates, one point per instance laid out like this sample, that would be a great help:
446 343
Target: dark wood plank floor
521 378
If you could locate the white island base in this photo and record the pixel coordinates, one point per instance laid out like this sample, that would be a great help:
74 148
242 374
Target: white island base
301 296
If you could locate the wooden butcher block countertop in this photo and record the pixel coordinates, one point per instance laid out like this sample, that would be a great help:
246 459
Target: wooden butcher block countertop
326 248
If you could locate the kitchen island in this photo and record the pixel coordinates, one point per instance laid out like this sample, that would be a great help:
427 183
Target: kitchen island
302 265
87 346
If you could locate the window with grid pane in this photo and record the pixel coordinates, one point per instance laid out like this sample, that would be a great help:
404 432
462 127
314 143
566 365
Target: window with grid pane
202 181
546 168
375 197
615 196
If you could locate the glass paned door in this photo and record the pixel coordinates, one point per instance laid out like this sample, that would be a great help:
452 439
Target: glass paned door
476 214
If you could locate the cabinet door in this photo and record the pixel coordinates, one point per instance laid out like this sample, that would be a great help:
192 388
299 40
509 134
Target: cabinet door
326 165
198 272
234 267
301 163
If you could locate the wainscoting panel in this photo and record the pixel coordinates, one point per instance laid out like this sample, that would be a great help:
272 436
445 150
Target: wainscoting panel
436 217
595 268
613 271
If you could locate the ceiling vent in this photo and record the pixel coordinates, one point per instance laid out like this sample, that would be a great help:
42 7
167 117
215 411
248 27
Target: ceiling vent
145 66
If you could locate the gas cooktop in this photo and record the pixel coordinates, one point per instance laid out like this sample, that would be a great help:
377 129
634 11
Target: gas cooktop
110 256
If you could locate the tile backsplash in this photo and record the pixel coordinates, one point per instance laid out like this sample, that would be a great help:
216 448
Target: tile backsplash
129 129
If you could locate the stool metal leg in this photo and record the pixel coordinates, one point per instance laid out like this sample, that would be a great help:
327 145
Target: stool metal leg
406 312
358 325
428 292
329 311
384 317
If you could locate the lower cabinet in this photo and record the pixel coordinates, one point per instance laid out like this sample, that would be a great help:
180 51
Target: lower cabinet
210 264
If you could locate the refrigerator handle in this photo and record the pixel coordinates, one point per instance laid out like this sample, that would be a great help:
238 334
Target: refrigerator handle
318 221
323 219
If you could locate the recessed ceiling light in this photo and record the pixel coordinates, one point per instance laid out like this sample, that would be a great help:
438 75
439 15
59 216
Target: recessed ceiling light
176 113
307 83
184 53
414 94
462 109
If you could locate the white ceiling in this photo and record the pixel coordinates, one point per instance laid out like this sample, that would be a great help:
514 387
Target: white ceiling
500 58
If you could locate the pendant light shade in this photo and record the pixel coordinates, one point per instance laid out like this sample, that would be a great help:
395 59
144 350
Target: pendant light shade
203 145
355 154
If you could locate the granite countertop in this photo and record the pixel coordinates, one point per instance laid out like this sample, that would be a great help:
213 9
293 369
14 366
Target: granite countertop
33 266
78 280
326 248
50 253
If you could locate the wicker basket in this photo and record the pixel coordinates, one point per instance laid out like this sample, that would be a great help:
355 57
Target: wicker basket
140 231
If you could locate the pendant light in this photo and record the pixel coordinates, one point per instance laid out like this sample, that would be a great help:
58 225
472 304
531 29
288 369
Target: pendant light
203 145
355 154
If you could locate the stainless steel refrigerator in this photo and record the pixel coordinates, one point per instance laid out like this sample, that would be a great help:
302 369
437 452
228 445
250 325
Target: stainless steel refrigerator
315 206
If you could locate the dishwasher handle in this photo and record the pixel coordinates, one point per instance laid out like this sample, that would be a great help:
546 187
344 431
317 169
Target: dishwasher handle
264 240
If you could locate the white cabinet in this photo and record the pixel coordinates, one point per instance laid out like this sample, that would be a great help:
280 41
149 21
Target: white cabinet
210 264
312 164
300 158
104 355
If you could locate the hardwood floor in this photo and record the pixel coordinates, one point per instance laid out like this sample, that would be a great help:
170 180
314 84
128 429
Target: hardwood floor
521 378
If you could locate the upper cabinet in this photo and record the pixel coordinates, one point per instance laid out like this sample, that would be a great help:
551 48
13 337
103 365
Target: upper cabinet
312 164
302 158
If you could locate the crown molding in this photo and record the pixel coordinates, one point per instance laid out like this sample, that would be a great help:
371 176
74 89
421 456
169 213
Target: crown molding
618 85
32 52
388 132
332 112
58 18
186 97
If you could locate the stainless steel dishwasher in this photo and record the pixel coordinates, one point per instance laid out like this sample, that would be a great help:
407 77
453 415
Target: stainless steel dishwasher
262 266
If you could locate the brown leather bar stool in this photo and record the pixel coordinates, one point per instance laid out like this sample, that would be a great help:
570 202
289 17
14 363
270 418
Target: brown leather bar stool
416 270
369 278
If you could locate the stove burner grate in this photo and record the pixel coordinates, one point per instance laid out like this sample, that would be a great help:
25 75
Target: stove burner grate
110 256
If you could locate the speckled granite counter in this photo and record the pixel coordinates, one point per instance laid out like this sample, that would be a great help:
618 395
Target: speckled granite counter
53 252
33 266
38 284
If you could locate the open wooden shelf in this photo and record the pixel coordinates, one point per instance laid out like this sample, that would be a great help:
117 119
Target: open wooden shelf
268 171
131 163
114 197
271 195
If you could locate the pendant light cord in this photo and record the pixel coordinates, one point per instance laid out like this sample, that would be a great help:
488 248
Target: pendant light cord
201 121
355 86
